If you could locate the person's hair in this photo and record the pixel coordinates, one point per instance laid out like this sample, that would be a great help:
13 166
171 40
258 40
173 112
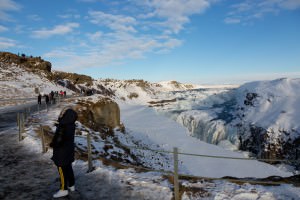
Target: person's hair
64 110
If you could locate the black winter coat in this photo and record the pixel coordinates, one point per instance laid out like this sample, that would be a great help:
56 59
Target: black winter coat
63 140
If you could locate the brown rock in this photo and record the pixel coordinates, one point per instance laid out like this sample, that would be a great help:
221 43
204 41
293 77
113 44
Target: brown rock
104 113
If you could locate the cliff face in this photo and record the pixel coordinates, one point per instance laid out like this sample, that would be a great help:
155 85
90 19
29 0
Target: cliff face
269 118
270 143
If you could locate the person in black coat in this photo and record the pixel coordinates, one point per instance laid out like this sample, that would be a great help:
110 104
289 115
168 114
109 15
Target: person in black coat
63 150
40 99
47 99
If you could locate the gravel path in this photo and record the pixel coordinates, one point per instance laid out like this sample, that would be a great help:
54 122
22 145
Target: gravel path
26 174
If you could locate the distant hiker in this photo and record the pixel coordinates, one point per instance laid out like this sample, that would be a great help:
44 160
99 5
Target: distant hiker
47 99
241 143
52 97
65 93
63 150
40 99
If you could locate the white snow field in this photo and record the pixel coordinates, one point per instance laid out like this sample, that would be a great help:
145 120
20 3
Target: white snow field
146 124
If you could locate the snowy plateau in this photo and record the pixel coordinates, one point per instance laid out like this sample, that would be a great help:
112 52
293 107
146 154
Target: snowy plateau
257 120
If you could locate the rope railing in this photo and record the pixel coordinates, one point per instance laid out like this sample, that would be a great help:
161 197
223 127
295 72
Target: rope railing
201 155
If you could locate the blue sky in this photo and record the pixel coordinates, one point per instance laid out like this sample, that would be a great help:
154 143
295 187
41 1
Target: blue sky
197 41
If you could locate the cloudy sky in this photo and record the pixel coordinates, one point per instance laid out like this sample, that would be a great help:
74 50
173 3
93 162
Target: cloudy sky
198 41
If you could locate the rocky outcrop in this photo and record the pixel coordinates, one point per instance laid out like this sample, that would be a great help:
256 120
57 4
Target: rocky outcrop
99 114
31 63
72 77
250 97
263 144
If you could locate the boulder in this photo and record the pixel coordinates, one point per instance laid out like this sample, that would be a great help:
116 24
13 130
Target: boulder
98 114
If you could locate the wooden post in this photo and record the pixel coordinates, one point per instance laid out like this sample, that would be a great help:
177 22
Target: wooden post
176 183
44 149
89 153
18 119
23 125
20 125
25 113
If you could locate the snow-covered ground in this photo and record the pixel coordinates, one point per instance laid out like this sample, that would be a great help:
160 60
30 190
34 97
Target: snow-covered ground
28 174
148 126
201 109
152 131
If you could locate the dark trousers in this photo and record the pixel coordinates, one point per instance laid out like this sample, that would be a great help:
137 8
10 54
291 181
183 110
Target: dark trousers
66 176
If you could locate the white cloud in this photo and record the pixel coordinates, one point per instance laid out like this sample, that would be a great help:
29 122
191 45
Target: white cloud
250 10
6 43
229 20
57 30
3 28
34 17
69 16
19 29
175 12
89 1
95 36
115 22
290 4
123 37
113 48
7 6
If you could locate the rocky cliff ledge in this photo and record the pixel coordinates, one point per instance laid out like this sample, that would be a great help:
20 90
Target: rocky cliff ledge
98 113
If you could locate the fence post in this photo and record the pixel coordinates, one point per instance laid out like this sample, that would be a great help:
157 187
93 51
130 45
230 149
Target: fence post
25 114
44 150
176 183
89 153
21 126
18 119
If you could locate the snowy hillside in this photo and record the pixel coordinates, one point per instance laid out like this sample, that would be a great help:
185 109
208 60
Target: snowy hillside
271 104
140 91
260 117
16 83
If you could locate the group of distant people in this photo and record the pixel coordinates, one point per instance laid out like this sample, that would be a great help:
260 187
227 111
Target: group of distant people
87 92
51 97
